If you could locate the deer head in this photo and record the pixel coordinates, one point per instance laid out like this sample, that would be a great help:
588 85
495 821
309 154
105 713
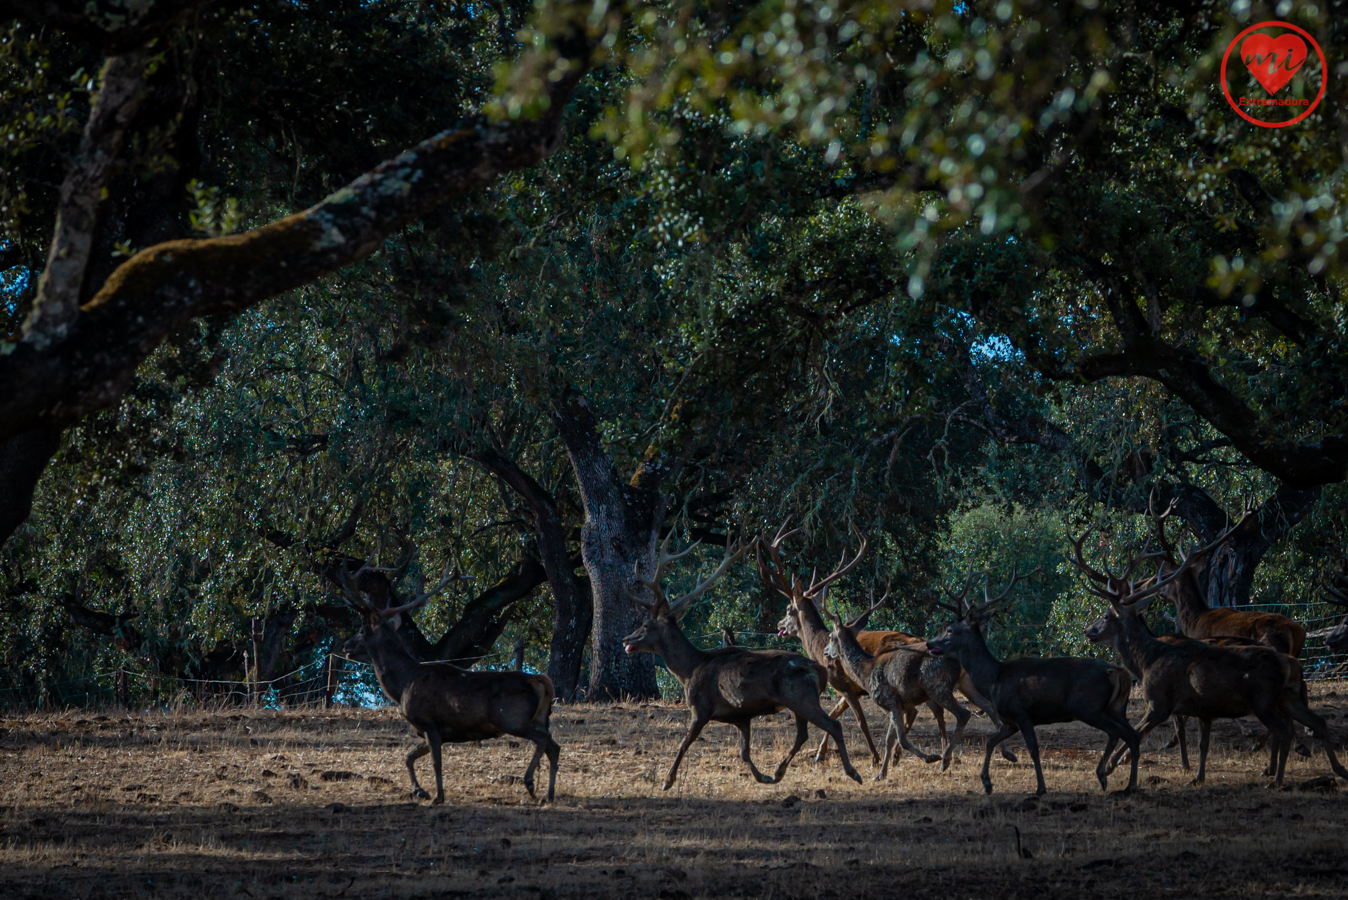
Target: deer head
967 629
380 622
844 631
774 572
663 615
1127 597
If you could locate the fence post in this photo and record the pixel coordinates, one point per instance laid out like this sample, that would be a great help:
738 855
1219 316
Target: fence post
332 681
255 693
519 654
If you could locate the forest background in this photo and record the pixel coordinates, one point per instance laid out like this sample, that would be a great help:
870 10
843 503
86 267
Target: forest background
965 278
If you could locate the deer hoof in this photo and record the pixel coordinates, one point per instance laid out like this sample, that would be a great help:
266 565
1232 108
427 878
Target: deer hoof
1303 750
852 774
987 787
529 786
1009 756
438 801
420 794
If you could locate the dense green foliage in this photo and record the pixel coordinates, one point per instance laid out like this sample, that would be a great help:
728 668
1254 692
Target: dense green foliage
919 269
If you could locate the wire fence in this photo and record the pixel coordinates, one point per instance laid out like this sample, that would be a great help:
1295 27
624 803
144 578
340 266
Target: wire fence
333 679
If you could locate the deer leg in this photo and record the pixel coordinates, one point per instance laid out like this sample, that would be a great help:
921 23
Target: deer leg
543 743
854 701
417 792
433 738
744 755
1204 739
1181 727
820 719
1320 728
891 740
908 745
1002 733
966 687
1150 720
694 730
835 713
942 697
1117 728
1032 745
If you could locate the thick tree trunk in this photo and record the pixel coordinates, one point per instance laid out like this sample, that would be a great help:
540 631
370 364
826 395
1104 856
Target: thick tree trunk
618 546
1229 575
573 607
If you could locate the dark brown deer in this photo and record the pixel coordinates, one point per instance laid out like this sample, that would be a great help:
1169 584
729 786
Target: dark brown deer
1197 620
899 680
734 685
1035 691
803 620
1195 678
446 704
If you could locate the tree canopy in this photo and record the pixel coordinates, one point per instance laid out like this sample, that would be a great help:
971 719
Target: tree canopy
516 291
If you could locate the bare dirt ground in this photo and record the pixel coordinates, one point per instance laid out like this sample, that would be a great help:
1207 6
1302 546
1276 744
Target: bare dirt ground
258 803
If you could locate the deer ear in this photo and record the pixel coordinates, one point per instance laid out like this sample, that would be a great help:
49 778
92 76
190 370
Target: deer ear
394 621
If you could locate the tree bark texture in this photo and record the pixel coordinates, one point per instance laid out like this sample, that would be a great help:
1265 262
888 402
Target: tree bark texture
573 607
85 362
618 546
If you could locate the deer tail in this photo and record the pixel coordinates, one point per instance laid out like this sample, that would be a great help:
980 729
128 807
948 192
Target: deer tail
542 686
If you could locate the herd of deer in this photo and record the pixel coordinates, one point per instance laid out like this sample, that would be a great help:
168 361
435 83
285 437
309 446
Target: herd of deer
1225 664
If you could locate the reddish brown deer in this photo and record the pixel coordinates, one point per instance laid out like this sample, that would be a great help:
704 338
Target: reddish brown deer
1197 620
1195 678
803 620
734 685
446 704
1035 691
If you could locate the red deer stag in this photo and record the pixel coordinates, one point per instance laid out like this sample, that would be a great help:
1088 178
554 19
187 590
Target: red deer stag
1195 678
734 685
1035 691
802 619
446 704
899 680
1197 620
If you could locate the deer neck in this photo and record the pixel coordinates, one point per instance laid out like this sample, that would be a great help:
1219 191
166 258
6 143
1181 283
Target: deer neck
681 656
1136 642
813 632
976 659
1190 605
393 664
855 659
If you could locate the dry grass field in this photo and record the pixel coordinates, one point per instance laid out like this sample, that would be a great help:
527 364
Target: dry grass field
256 804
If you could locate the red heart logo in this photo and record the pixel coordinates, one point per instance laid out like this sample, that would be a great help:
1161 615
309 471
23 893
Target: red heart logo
1273 61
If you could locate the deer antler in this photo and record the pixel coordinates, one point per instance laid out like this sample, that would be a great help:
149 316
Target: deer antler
351 593
859 622
421 595
843 568
1080 560
984 609
733 551
960 606
775 571
1160 518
